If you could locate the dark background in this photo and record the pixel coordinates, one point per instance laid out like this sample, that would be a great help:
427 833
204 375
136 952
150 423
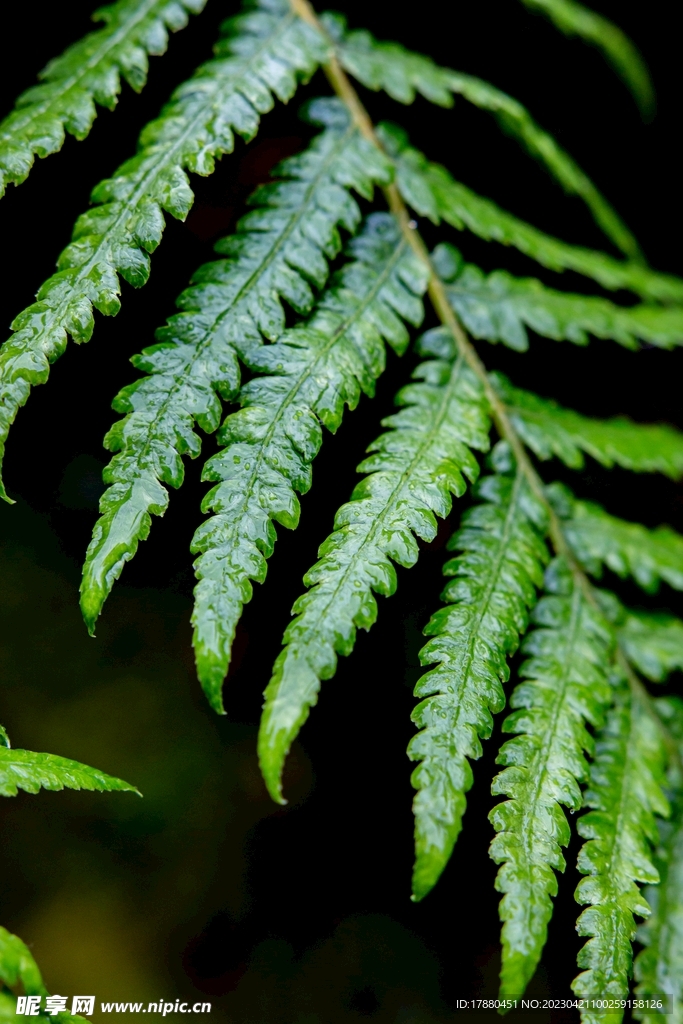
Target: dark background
298 915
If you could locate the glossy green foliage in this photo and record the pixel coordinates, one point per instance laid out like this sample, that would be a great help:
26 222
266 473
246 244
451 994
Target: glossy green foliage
659 966
432 192
577 20
624 793
628 549
280 250
653 643
498 567
565 689
550 430
500 307
19 968
89 72
415 468
260 54
24 769
304 381
402 74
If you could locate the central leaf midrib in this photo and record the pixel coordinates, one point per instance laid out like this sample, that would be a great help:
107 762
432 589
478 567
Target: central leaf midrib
178 382
402 480
129 205
35 110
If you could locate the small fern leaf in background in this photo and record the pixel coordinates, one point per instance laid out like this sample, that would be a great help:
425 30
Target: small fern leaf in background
624 794
87 73
659 966
499 565
628 549
24 769
17 965
262 53
312 372
401 74
576 20
415 468
433 192
566 688
500 307
550 430
653 643
280 249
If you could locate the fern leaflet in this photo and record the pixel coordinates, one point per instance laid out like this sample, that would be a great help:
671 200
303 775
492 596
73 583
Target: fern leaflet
550 430
313 370
576 20
625 792
279 250
500 564
24 769
401 73
500 307
85 74
18 967
433 192
628 549
262 53
653 643
566 687
659 966
415 468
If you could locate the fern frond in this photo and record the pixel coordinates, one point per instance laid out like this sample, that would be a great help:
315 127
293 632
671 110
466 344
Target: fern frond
500 307
263 53
628 549
624 792
499 565
85 74
432 192
653 643
415 468
17 965
401 73
550 430
24 769
280 249
576 20
312 372
659 966
566 687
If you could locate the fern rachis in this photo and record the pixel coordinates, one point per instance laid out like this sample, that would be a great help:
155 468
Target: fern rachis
265 333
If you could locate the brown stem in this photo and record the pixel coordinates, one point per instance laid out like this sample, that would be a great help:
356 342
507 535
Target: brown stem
343 88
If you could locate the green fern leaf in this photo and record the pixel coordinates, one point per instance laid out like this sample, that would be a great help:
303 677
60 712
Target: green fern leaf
432 192
576 20
659 966
415 468
653 643
628 549
17 965
500 564
566 687
500 307
401 73
550 430
313 371
24 769
87 73
263 52
279 250
625 792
